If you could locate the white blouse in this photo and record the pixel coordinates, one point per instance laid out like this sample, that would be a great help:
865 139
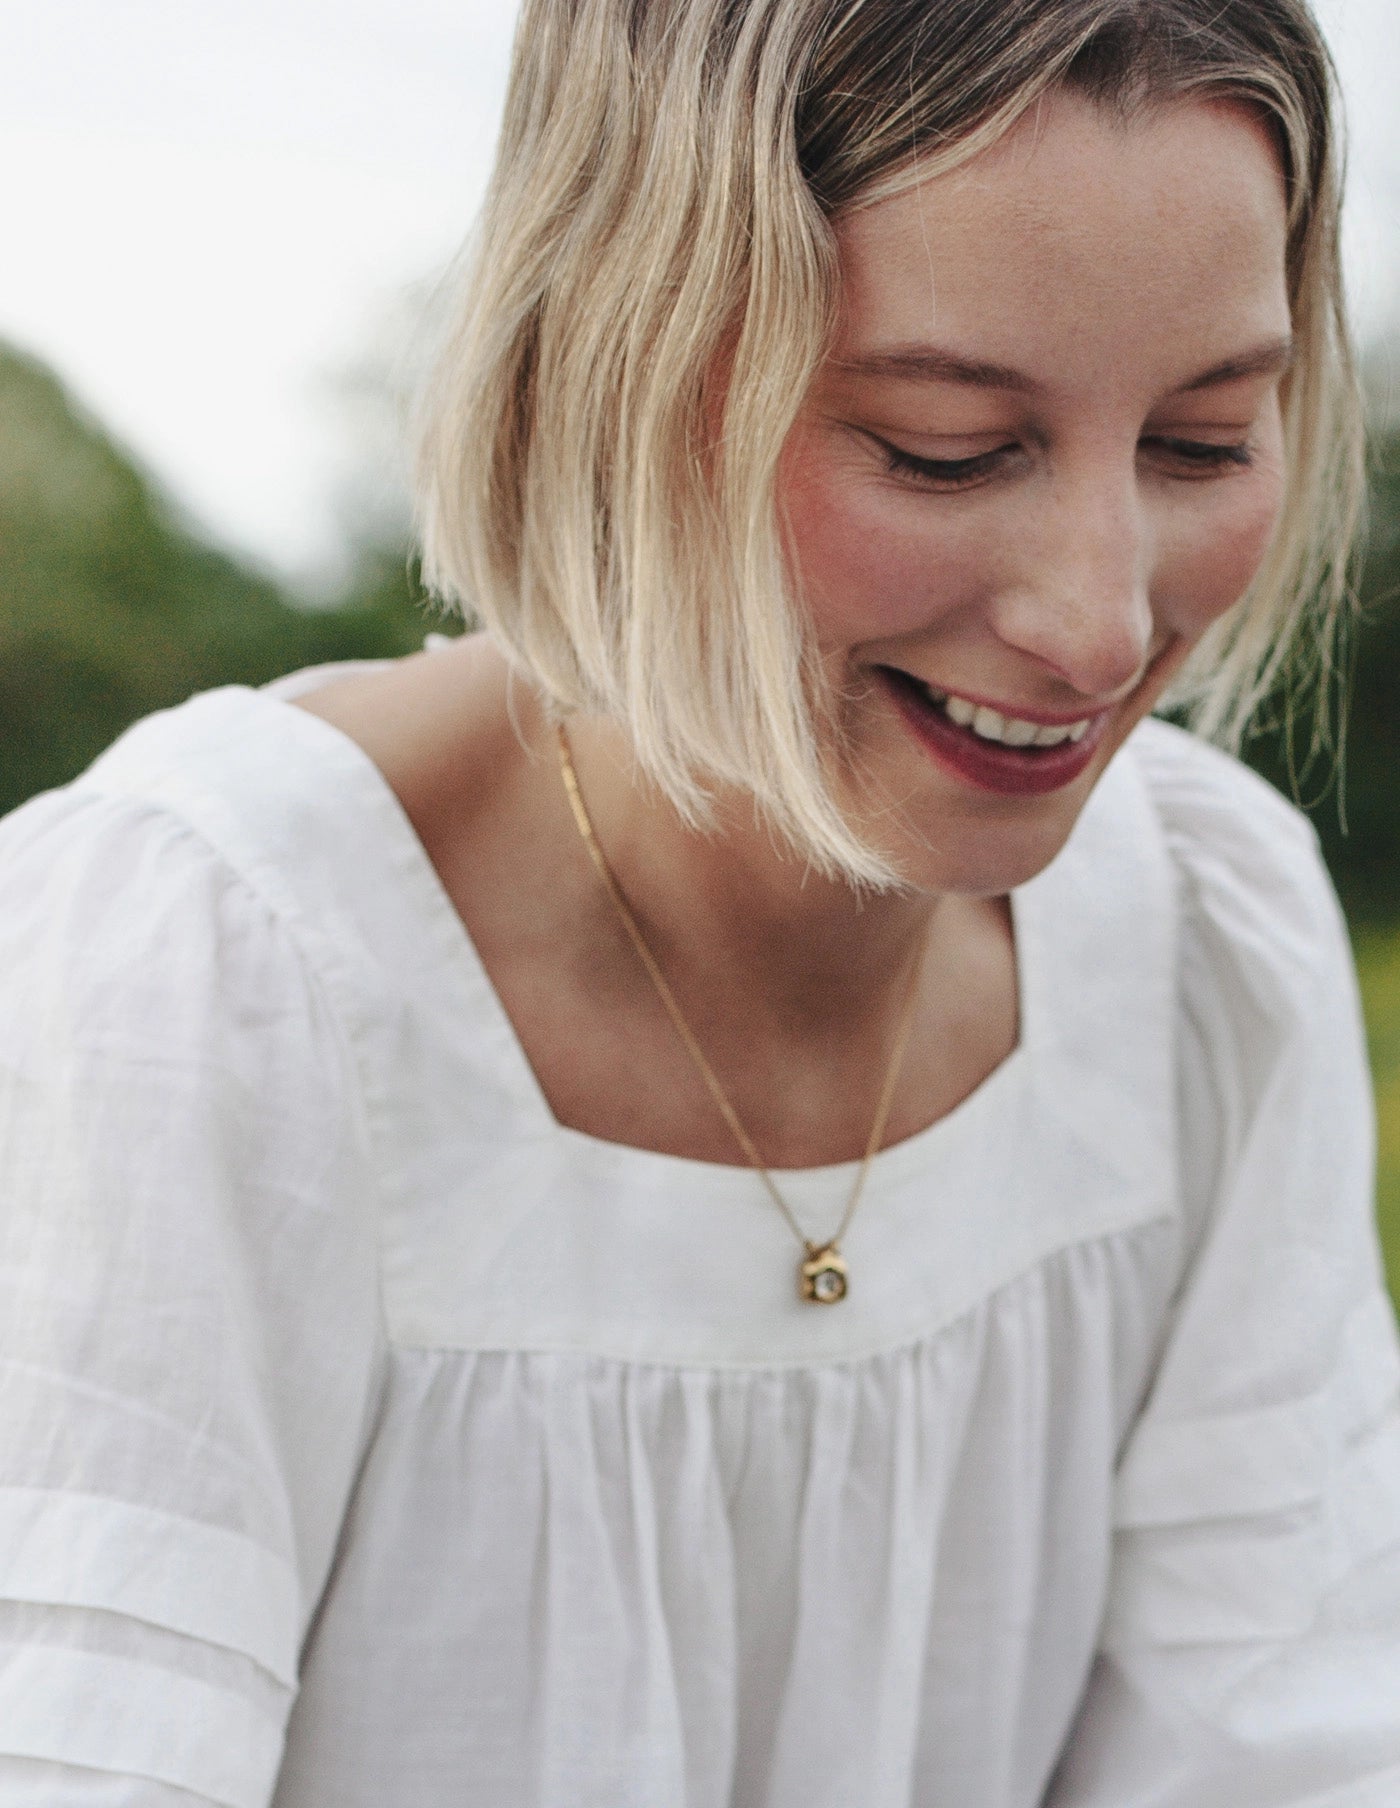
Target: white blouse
368 1439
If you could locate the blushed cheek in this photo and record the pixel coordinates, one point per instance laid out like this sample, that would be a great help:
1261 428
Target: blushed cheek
1220 561
859 571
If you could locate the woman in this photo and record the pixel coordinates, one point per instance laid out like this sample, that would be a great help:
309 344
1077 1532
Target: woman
748 1188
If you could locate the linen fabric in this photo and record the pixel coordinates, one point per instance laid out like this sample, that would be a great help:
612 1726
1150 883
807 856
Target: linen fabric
370 1440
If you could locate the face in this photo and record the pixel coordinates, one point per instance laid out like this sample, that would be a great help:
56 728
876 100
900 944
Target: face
1043 456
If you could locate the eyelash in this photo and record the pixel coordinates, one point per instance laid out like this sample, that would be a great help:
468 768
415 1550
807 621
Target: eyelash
1201 456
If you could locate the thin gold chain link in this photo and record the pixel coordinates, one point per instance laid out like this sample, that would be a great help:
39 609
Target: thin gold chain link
697 1054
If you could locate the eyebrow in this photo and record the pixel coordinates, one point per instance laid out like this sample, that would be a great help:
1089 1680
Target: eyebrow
1267 360
926 364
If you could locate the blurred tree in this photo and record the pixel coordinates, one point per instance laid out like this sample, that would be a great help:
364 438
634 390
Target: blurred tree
111 606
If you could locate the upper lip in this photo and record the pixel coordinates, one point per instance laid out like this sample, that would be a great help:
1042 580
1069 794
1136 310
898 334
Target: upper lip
1042 718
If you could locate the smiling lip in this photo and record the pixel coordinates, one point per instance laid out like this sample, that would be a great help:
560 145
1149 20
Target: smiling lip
990 765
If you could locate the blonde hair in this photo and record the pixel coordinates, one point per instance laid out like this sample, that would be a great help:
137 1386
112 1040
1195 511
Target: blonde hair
660 213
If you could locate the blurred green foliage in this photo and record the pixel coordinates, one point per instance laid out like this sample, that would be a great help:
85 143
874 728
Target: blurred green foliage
111 607
1378 963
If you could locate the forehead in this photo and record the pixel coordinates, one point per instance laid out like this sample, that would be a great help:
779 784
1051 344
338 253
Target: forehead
1078 235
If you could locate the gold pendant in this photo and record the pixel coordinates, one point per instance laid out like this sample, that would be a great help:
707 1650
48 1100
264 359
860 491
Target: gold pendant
822 1276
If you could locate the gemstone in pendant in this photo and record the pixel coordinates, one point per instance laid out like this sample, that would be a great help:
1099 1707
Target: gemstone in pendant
823 1275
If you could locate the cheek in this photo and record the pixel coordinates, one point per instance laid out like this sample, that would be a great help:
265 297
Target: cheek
1216 554
860 568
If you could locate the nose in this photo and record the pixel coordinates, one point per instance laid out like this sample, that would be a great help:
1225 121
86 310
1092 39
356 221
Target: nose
1077 594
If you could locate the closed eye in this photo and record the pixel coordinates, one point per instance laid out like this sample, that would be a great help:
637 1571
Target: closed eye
943 473
1191 458
1203 457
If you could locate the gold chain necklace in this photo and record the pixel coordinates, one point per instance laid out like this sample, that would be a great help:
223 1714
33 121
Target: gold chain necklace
822 1274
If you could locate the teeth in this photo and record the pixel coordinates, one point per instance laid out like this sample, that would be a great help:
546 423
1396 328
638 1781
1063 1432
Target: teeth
1011 731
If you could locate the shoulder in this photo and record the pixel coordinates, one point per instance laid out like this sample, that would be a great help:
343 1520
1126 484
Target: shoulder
153 891
234 886
93 881
1249 872
1211 888
177 1060
1268 1033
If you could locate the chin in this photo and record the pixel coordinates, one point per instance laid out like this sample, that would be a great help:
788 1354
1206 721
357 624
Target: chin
983 859
952 836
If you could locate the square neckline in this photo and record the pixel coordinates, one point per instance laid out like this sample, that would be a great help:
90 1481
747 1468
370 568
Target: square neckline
407 855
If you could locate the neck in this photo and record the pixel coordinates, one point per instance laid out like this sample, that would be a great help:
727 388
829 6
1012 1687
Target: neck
733 906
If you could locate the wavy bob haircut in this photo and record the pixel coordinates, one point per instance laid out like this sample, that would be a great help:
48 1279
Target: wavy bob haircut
662 209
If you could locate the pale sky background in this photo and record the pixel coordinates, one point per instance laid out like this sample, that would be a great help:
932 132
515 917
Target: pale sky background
211 210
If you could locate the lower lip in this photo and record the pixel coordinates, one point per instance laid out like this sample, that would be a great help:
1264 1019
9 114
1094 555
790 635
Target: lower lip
991 765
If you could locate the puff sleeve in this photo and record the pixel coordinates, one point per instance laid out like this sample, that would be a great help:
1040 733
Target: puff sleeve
1250 1651
190 1335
